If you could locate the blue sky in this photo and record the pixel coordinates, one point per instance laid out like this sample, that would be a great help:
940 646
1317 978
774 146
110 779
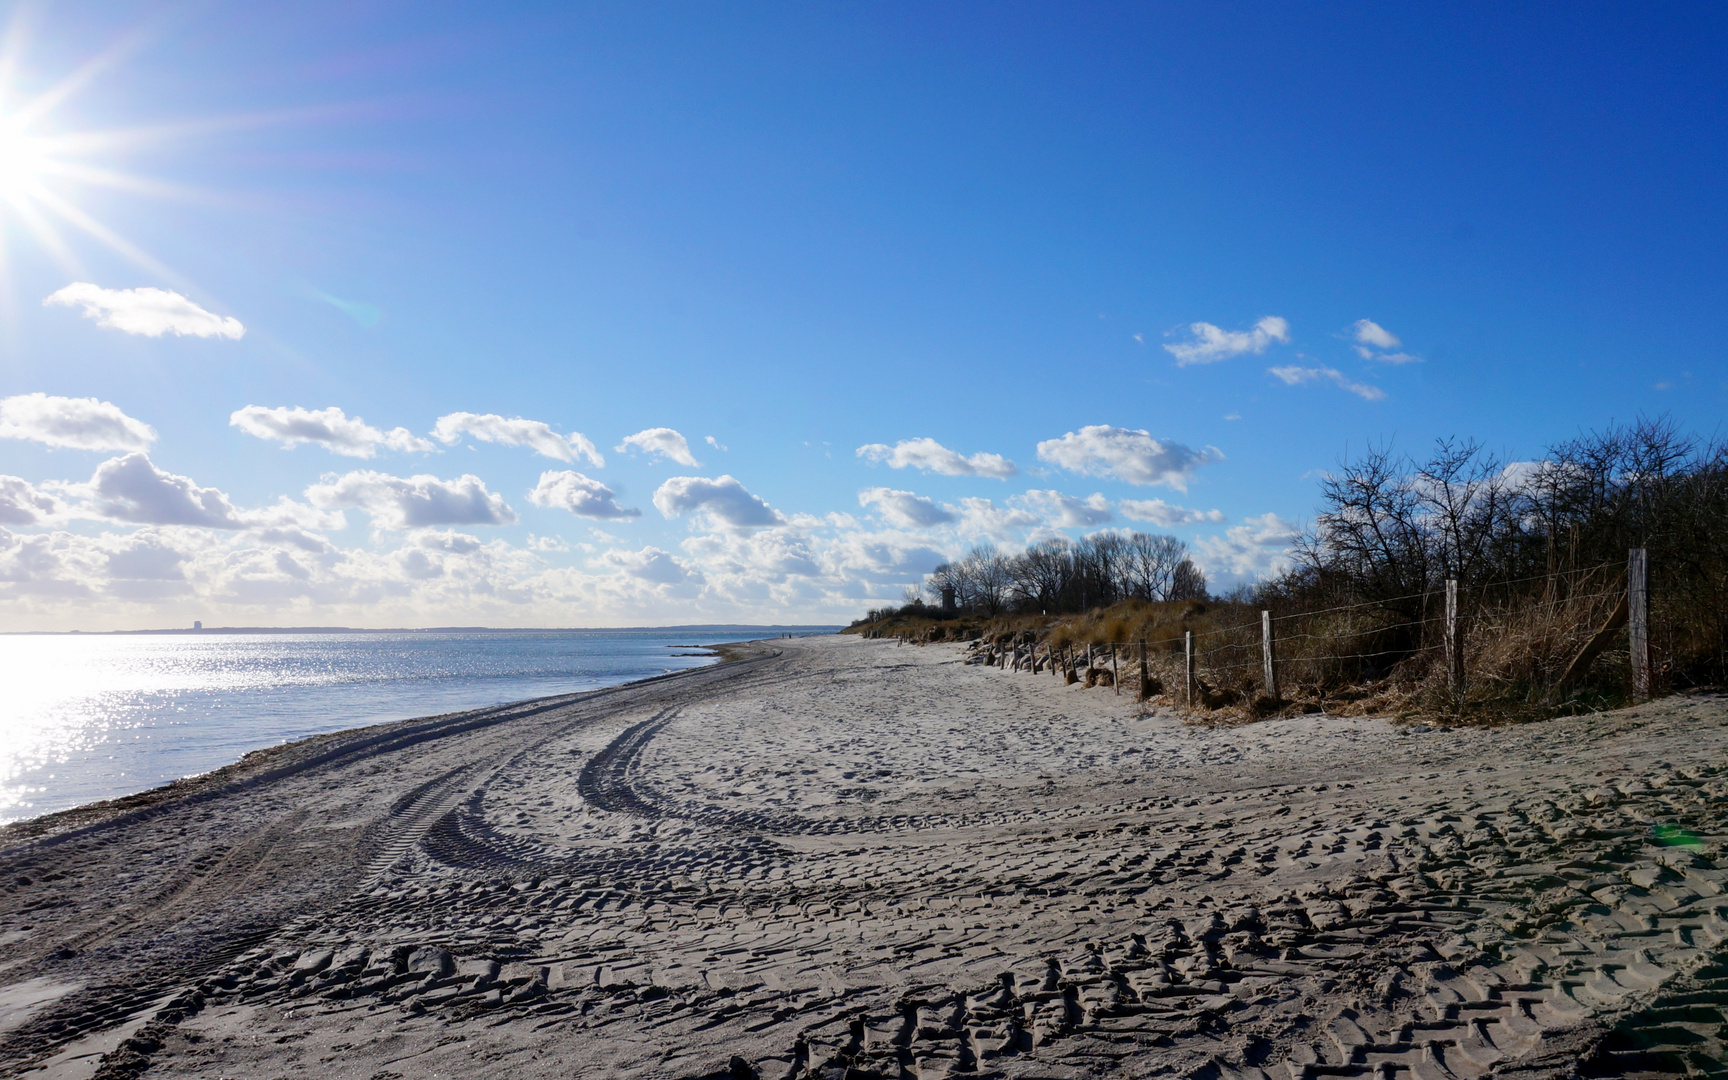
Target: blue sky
1008 230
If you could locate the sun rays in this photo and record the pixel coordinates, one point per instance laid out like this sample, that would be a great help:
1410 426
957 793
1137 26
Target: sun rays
46 171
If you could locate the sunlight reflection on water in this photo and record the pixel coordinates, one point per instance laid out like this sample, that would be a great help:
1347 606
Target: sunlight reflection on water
87 717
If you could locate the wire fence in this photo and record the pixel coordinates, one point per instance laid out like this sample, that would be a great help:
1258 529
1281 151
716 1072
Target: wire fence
1545 633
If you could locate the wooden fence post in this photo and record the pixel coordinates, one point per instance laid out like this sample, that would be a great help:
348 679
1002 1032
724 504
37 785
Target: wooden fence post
1638 620
1454 649
1267 657
1188 658
1115 675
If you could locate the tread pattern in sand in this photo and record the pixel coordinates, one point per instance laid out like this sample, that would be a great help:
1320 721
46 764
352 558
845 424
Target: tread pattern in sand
867 861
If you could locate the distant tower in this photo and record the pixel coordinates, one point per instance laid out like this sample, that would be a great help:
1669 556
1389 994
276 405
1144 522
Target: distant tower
197 624
947 599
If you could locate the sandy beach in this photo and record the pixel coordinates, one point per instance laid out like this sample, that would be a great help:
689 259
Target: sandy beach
846 858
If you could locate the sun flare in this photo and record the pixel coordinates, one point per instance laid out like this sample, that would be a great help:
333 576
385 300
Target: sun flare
44 171
23 160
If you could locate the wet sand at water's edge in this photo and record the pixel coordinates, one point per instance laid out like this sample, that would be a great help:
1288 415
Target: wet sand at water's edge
836 854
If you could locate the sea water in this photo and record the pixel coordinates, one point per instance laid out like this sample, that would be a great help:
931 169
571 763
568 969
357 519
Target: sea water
86 716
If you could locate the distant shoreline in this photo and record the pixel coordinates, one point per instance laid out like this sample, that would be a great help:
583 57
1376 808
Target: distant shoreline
728 628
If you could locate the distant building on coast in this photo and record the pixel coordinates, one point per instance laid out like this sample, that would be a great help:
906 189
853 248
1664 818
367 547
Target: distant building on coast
197 624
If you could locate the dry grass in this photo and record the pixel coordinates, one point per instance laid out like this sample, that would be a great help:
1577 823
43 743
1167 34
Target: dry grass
1357 661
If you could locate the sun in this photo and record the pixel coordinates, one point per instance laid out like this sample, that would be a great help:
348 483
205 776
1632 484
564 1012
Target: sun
44 171
23 161
49 169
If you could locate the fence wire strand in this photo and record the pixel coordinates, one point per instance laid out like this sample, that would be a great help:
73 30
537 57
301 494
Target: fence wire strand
1490 609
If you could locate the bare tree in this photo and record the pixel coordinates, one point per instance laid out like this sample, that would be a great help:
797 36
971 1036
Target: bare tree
1466 499
1151 564
1188 582
993 581
1043 574
1368 530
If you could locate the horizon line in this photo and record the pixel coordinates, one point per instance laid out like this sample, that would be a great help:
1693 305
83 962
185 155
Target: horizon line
423 629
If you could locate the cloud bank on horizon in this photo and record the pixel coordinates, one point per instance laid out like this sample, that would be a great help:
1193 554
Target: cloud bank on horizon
193 543
739 543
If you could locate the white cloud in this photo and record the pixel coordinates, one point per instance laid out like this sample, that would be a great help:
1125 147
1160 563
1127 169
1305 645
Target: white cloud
151 312
295 537
132 488
1292 375
1257 548
414 502
929 455
547 543
62 580
651 564
662 442
881 557
581 495
1295 375
767 569
758 557
147 555
715 443
1133 456
23 504
814 569
905 510
1061 511
73 423
286 513
1212 343
1372 340
780 551
983 518
539 437
330 428
436 553
1168 515
725 500
1369 332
